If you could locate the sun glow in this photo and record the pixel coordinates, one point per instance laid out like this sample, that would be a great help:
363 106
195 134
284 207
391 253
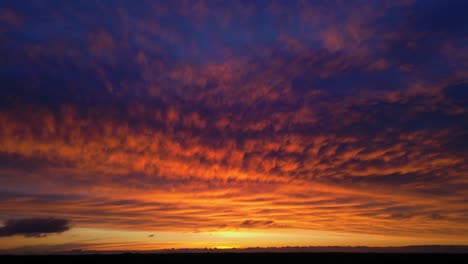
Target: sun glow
224 247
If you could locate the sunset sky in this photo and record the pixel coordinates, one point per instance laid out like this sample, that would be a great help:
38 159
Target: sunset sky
140 125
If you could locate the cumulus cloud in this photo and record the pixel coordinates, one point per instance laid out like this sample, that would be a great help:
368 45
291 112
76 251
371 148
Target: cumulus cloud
34 227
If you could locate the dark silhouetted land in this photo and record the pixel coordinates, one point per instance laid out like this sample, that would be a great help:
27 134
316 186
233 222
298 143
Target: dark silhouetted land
242 258
409 254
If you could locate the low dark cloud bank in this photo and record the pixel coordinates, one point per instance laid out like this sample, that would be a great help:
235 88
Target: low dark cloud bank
34 227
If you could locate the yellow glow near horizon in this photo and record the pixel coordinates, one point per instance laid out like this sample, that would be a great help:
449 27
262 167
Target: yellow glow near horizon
113 239
224 247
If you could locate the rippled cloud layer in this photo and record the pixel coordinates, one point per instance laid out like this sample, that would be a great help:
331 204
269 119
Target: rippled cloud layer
346 116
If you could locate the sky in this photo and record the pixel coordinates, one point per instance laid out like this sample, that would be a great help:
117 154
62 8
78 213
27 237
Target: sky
138 125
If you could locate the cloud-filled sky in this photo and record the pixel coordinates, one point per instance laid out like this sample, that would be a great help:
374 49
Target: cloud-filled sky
161 124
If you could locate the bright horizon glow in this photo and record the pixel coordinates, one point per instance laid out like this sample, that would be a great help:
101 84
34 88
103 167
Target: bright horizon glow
121 240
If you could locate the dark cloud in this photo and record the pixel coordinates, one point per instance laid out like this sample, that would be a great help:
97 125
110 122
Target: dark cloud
257 223
34 227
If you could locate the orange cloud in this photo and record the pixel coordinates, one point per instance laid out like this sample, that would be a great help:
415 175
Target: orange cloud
144 126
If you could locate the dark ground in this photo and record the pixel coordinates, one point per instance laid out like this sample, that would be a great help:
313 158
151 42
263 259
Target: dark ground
243 257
